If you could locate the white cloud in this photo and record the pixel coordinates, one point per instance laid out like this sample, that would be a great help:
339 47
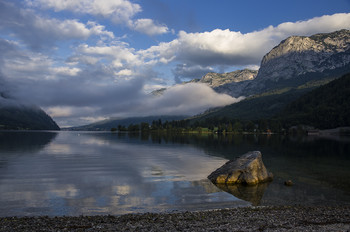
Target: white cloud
147 26
59 111
118 11
225 47
67 71
118 56
39 32
125 72
186 99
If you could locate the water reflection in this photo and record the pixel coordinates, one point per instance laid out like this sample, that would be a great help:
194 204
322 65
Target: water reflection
13 141
75 173
317 165
96 173
253 194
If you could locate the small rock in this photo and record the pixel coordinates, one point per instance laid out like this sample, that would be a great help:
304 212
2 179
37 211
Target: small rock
288 183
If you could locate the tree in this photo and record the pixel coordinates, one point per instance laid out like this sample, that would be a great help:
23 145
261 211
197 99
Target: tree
144 126
229 127
250 126
237 127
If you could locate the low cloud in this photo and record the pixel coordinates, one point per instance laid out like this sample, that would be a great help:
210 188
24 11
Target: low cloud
189 99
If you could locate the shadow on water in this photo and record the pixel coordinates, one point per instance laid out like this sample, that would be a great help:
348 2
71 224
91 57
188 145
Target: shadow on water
29 141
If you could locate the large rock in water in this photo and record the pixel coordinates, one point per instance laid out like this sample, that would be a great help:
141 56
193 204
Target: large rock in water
247 169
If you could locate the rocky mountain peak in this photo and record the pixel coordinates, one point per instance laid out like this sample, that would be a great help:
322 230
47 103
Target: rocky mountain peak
218 79
297 55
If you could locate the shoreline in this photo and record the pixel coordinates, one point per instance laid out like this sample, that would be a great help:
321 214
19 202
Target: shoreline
262 218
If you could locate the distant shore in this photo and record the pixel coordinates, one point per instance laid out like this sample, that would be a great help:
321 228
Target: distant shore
274 218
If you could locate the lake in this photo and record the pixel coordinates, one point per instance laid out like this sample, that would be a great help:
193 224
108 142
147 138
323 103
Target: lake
91 173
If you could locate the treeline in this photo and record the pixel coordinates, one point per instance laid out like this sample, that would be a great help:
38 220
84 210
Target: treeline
210 125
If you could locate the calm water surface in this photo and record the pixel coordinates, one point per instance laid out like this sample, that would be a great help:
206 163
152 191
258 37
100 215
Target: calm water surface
89 173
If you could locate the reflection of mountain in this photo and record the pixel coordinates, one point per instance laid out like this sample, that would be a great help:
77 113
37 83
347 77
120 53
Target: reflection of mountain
25 141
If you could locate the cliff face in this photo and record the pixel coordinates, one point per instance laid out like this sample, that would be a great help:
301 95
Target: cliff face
298 55
217 79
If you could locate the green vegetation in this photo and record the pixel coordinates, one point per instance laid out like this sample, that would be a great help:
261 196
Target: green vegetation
262 106
325 107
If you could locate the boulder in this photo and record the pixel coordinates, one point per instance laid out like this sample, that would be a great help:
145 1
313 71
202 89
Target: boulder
247 169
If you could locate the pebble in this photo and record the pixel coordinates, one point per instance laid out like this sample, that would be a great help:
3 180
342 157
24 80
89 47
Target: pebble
272 218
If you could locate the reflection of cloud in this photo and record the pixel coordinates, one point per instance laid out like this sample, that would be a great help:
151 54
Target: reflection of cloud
56 148
109 175
66 191
122 190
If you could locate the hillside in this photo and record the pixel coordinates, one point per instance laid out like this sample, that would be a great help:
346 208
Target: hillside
261 106
25 118
325 107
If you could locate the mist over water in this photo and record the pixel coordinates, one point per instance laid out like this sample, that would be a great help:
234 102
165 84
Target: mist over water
88 173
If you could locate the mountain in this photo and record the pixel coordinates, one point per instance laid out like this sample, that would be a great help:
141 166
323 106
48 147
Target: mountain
295 61
15 115
25 118
298 55
215 80
325 107
106 125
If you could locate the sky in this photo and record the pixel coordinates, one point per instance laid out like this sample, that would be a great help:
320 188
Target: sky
88 60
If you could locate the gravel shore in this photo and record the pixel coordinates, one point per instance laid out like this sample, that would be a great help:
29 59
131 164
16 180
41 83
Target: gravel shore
281 218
